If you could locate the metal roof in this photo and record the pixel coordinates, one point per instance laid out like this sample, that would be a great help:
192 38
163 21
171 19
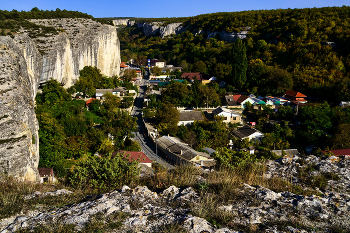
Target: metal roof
191 116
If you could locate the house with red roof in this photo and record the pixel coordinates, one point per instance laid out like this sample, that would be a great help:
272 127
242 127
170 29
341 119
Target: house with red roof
89 101
238 100
202 78
295 97
137 156
123 65
46 175
340 152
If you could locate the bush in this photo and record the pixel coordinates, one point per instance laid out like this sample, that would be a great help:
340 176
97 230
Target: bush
104 173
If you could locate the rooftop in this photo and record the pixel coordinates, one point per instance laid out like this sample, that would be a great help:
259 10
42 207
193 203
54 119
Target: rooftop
136 156
244 132
295 94
43 171
175 146
191 116
338 152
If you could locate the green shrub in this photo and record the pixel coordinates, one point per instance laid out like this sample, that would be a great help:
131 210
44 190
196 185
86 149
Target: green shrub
103 173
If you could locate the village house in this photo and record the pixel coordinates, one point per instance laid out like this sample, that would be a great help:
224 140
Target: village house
344 104
46 175
156 62
248 132
340 152
187 118
181 153
295 97
89 101
229 116
202 78
137 156
118 91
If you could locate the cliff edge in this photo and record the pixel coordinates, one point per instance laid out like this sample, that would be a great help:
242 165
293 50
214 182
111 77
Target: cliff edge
26 62
19 147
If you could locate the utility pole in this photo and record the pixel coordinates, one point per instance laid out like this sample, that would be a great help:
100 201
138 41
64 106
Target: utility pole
156 145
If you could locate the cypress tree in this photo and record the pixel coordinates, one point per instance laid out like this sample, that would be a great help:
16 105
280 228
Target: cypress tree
239 63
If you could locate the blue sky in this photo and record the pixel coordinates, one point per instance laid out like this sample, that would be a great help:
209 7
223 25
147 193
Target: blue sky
164 8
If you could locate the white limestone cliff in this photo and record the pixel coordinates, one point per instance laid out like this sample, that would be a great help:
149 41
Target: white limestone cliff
25 62
84 42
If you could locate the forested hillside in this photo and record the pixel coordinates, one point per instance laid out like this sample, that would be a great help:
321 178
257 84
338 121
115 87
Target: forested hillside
12 21
285 49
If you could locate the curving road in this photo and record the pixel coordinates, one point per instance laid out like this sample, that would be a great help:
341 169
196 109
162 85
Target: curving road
146 146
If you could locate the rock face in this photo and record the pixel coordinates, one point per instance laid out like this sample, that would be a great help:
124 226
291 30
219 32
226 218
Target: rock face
20 63
147 212
120 22
83 42
25 62
155 28
230 36
171 29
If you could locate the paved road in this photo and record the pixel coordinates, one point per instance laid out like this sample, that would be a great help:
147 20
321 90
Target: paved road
146 146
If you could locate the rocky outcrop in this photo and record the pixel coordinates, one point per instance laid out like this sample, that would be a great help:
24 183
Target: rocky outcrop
230 36
155 28
20 63
151 28
171 29
146 211
82 42
25 62
120 22
256 208
330 173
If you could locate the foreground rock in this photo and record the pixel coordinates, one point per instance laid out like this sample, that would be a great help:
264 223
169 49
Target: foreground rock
146 211
141 210
325 174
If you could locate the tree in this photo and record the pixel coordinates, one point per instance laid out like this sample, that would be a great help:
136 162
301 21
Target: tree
239 63
199 66
128 75
155 70
167 118
111 101
341 139
222 71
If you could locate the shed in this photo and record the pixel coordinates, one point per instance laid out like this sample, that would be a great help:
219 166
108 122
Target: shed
46 175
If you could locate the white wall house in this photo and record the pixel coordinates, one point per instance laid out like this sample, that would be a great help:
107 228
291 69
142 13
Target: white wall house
188 118
248 132
229 116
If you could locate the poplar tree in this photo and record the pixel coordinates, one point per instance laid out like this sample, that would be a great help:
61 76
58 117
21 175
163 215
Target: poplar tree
239 63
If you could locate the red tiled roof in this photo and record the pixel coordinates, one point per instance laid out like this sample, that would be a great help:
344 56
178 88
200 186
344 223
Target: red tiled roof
338 152
43 171
295 94
89 101
136 155
236 96
242 98
191 76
